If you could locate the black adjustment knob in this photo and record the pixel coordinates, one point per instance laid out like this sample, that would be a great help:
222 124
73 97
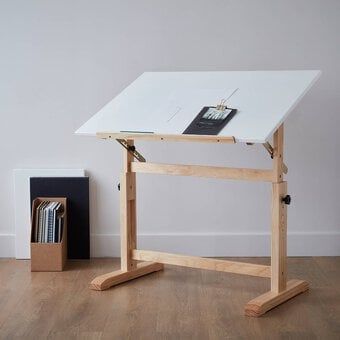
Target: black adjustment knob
118 186
132 148
287 199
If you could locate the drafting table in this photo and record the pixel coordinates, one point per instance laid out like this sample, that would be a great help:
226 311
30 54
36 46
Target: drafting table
158 106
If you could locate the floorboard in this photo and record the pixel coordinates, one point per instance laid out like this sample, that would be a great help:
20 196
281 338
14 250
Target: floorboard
177 303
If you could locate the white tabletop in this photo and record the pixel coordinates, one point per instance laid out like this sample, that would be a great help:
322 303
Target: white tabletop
167 102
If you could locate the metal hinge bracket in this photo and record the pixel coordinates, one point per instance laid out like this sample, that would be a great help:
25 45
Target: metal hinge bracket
131 149
270 150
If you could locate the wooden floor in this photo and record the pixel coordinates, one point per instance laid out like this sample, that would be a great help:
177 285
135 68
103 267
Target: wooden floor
178 303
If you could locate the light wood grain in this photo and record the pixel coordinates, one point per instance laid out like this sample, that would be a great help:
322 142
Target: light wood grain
202 263
203 171
280 291
108 280
177 303
167 138
279 218
129 252
279 238
278 154
128 238
271 299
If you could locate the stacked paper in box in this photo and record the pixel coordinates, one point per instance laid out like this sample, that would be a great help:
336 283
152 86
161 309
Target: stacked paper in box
48 222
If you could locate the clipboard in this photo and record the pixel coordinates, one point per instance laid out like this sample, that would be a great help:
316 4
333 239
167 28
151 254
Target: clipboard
210 120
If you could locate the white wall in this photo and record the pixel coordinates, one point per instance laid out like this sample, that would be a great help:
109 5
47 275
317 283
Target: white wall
60 61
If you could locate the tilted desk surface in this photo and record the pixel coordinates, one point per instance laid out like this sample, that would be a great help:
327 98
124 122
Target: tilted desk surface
165 103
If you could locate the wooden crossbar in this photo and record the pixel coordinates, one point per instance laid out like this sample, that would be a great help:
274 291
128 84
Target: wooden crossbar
203 171
166 138
202 263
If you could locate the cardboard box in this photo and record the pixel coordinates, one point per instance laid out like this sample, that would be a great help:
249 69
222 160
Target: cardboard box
48 257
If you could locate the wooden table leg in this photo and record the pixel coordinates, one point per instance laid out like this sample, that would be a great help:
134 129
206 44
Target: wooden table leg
281 290
128 233
127 212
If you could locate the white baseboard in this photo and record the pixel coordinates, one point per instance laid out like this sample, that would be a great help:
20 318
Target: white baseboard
206 244
7 245
226 244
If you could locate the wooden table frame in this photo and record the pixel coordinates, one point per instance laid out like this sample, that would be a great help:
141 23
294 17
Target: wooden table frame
281 289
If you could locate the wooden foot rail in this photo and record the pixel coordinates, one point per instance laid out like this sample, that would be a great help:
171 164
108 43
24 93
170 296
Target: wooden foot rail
202 263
